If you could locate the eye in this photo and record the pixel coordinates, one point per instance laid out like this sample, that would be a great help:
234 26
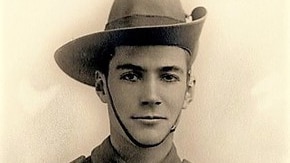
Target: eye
169 77
131 76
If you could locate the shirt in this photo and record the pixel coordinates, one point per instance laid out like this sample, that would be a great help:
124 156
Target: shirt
105 153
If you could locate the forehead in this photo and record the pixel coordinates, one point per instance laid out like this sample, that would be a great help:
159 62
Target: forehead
151 56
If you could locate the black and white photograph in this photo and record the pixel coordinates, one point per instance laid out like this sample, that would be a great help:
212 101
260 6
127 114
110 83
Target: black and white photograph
145 81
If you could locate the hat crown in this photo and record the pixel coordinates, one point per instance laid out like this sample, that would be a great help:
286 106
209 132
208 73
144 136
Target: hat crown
132 23
133 13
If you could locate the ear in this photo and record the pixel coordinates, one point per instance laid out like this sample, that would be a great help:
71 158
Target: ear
189 93
100 86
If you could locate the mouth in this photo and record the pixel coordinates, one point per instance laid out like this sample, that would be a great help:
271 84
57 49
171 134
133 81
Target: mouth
149 120
148 117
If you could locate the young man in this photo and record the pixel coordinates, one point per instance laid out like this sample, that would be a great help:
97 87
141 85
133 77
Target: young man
140 66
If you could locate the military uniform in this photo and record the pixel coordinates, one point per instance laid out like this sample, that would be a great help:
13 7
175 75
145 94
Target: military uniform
105 153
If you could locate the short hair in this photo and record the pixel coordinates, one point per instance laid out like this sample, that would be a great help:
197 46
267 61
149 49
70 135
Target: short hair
103 62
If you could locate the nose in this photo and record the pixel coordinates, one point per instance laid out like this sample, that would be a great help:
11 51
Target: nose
150 96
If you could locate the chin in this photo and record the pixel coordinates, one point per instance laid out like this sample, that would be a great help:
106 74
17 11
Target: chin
150 137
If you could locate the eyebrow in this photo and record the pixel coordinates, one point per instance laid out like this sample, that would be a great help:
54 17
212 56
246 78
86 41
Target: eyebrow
129 67
171 68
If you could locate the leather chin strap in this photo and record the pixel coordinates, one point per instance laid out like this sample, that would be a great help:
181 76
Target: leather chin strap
130 136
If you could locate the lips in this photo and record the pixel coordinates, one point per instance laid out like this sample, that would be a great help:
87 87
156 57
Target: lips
149 117
149 120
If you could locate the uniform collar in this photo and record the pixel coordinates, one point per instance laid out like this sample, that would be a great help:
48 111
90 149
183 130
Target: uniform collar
106 153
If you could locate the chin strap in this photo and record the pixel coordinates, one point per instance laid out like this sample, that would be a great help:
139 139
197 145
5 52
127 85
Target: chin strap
130 136
174 126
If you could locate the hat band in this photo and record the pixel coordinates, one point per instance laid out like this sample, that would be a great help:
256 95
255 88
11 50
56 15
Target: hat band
141 20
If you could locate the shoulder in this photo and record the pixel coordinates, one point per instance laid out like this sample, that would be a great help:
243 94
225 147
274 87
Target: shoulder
82 159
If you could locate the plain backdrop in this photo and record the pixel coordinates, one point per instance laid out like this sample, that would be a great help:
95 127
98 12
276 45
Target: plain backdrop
240 111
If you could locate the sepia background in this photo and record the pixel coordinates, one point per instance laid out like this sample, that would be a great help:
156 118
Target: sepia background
240 112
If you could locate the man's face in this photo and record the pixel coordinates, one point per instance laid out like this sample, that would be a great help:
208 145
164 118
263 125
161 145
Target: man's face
148 86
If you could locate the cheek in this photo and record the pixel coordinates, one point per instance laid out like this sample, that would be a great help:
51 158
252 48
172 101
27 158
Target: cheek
174 97
124 97
175 91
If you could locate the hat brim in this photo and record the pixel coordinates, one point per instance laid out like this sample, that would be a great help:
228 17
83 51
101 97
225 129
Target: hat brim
77 58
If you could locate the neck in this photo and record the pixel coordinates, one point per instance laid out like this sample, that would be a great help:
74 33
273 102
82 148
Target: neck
130 152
